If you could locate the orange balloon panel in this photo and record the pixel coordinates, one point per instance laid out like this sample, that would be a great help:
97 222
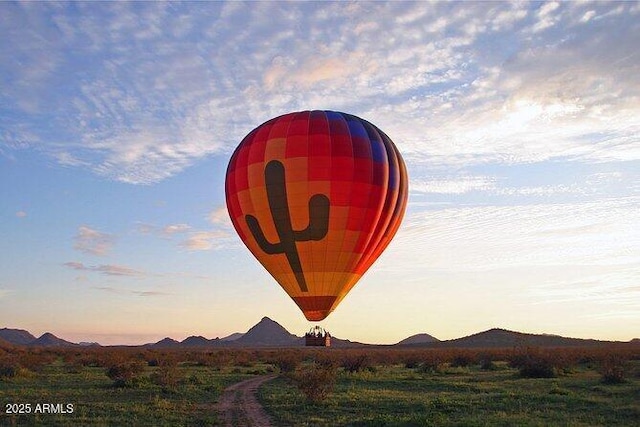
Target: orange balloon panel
316 196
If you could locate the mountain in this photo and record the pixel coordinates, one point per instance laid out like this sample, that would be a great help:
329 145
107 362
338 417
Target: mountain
198 341
418 339
16 336
267 333
232 337
495 338
504 338
89 344
49 340
165 343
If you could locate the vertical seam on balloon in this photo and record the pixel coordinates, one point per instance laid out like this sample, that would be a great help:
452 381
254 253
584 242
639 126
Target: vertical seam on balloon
335 285
326 243
352 264
309 275
389 226
284 265
287 265
369 198
334 264
382 227
399 208
368 249
346 272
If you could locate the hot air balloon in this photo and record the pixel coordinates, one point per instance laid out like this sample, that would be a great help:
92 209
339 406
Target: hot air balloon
316 196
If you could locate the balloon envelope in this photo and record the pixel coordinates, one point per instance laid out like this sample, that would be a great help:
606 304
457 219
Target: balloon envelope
316 196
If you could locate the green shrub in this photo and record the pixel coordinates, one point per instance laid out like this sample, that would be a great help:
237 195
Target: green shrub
8 368
613 369
287 361
432 363
532 363
125 374
485 360
412 361
167 375
461 360
356 362
315 381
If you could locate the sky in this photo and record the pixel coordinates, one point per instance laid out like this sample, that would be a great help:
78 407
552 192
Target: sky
519 124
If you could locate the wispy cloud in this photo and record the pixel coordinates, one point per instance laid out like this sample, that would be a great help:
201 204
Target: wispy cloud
615 288
169 230
453 185
186 237
175 229
192 239
120 291
164 85
482 238
145 228
220 217
106 269
205 240
93 242
582 185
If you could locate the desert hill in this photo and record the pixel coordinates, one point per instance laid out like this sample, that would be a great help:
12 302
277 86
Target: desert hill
197 341
418 339
49 340
22 337
497 337
232 337
16 336
267 332
165 343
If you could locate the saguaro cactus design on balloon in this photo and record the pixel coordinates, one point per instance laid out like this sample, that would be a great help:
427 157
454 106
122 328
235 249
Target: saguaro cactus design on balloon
316 230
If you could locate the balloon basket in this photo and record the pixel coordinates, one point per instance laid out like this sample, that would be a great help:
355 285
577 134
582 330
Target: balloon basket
317 337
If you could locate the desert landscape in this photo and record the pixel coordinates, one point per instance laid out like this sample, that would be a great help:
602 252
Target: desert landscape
266 376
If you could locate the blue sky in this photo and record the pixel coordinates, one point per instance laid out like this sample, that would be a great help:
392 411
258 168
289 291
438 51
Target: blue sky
518 123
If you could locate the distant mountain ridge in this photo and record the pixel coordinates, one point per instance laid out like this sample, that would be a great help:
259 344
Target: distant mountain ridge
498 337
269 333
22 337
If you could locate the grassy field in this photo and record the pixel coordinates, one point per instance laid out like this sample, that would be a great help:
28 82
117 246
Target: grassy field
139 387
398 396
98 402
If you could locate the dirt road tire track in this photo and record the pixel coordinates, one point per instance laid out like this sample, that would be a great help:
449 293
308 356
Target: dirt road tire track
238 405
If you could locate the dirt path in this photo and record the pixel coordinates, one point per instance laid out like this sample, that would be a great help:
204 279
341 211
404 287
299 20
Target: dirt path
238 405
